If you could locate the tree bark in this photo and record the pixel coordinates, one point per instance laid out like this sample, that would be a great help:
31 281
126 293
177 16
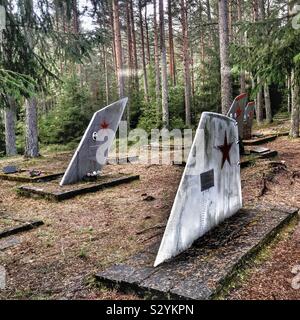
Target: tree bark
134 46
259 97
226 84
10 123
171 45
146 94
118 46
295 106
289 100
268 106
147 36
241 40
165 104
157 64
259 104
186 62
31 122
106 75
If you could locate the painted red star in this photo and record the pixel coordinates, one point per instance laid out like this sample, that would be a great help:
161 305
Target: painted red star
104 125
239 111
225 149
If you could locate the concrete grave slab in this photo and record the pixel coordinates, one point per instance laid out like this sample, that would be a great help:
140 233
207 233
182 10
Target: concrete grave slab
205 269
92 152
210 189
23 176
26 226
54 192
237 112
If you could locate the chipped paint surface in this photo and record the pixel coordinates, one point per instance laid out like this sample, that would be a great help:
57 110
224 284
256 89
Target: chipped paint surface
100 132
249 113
237 111
195 212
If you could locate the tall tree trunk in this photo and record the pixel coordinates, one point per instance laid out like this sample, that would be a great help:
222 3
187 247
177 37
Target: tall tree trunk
106 75
134 46
157 64
295 106
111 18
268 107
165 104
259 103
118 45
143 53
186 62
130 58
147 36
289 100
241 40
32 144
10 124
226 84
171 45
259 98
230 20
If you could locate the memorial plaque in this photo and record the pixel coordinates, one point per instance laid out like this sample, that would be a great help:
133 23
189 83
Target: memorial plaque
10 170
207 180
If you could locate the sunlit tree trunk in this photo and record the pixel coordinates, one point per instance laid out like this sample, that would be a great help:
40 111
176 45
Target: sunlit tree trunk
134 46
146 94
165 103
172 64
186 62
118 46
241 40
295 106
226 83
157 64
31 123
268 107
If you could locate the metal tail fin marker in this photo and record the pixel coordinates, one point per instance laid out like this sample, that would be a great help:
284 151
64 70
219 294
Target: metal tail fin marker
237 111
92 152
210 190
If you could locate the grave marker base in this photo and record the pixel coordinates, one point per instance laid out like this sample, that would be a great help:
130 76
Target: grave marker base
201 272
54 192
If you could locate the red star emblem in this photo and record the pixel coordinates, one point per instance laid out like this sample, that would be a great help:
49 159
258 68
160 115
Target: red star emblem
225 149
239 111
104 125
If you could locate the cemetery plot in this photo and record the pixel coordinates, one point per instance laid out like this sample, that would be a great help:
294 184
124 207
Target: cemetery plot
201 272
52 191
10 226
264 139
30 177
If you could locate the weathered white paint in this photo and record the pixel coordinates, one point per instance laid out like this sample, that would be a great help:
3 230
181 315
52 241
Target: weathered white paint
100 133
237 111
194 211
249 113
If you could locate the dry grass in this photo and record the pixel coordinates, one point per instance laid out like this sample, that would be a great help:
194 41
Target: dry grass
84 235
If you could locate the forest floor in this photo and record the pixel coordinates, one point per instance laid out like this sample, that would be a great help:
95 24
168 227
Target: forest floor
84 235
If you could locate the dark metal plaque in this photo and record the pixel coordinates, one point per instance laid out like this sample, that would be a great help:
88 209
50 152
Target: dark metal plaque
207 180
10 170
